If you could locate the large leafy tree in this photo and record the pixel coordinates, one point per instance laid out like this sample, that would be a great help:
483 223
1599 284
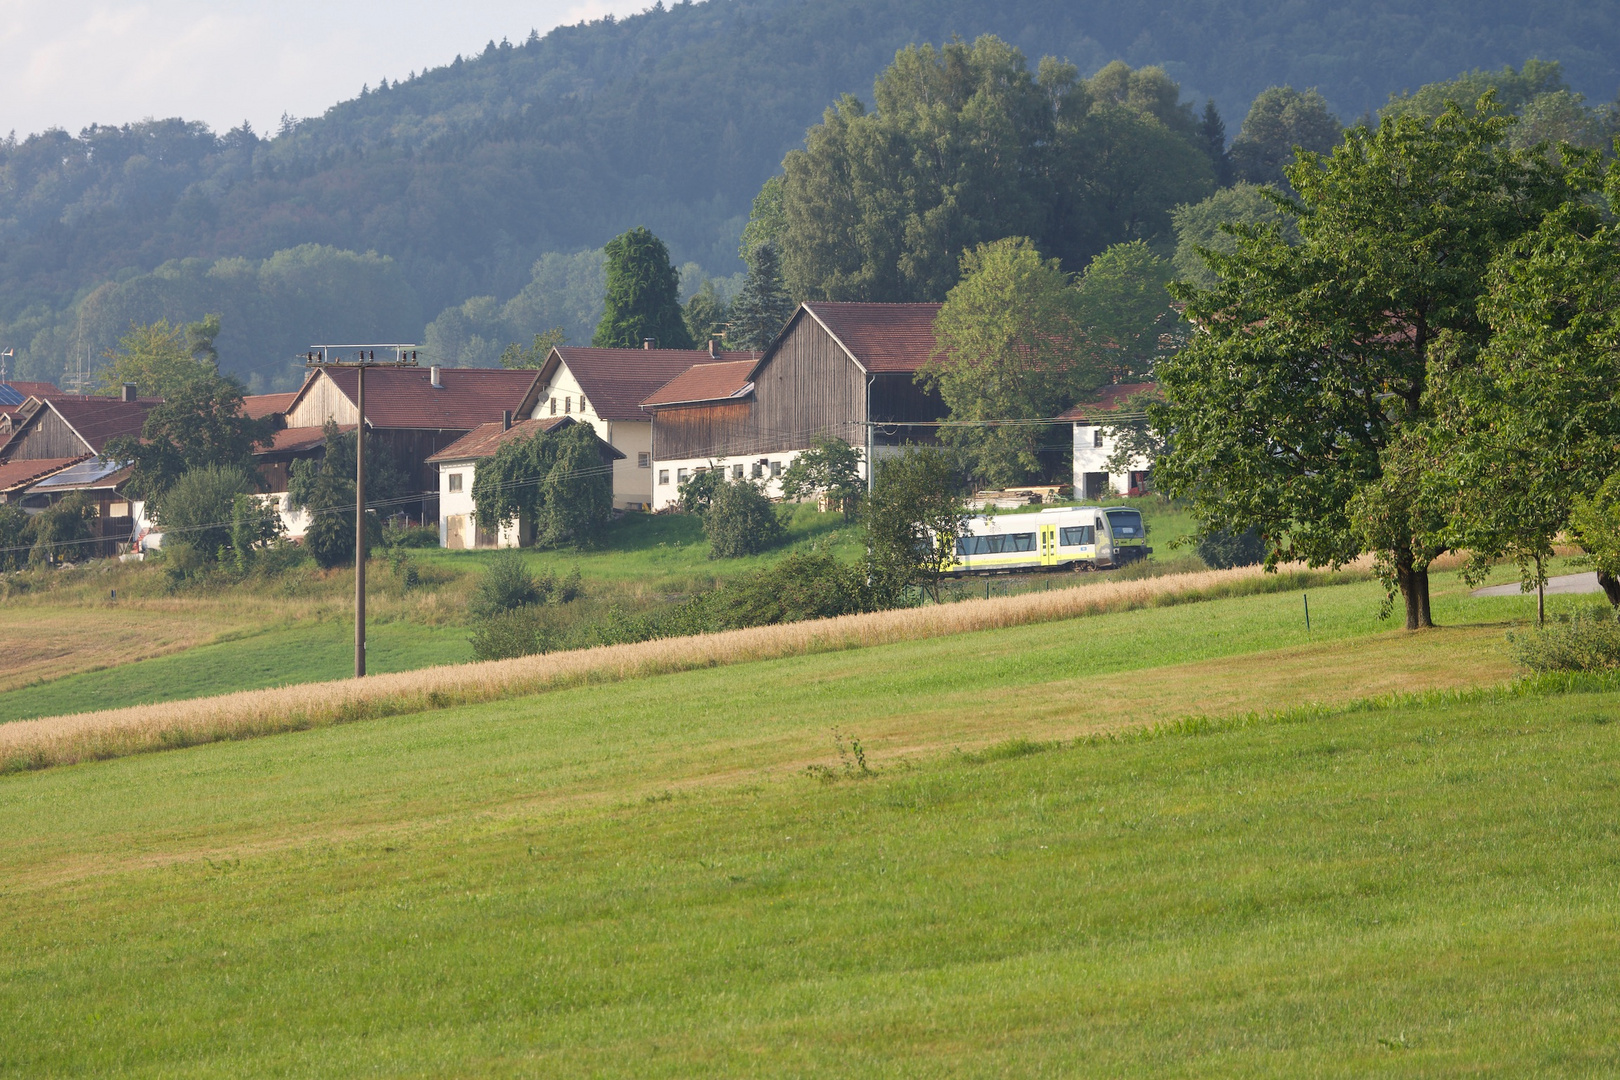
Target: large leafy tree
643 295
160 359
200 423
1299 405
1011 344
555 481
912 521
325 487
763 305
1209 224
831 468
1281 119
965 145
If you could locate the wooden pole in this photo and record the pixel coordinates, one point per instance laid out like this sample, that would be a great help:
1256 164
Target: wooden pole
360 529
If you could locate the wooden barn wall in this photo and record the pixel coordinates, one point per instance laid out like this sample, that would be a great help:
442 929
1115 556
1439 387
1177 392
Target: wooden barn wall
698 431
897 399
810 387
323 402
49 437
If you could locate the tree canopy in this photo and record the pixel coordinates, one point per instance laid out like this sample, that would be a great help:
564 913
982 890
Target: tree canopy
1299 405
643 295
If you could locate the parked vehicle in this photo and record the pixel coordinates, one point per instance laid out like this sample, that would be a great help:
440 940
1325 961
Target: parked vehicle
1078 537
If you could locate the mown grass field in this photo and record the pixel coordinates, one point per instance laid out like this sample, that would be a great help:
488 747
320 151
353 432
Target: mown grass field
692 874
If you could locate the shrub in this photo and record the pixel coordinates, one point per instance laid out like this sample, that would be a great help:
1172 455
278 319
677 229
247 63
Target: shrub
1223 551
200 506
502 635
697 491
741 521
1587 641
60 529
395 535
801 586
255 525
330 538
16 532
506 585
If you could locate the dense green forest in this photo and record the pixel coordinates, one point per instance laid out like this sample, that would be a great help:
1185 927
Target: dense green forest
468 204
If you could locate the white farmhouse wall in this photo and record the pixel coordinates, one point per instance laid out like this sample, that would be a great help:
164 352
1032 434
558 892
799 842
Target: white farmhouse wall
1091 454
668 474
458 525
632 480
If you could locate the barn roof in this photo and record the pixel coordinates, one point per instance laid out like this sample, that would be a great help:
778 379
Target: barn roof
881 337
19 474
405 397
258 406
617 381
15 393
1107 400
716 381
95 419
294 439
483 441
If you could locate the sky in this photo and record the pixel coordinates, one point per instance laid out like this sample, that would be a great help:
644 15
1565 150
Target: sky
71 63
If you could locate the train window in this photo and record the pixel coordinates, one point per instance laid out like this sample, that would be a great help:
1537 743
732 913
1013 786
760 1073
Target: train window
1021 542
1078 536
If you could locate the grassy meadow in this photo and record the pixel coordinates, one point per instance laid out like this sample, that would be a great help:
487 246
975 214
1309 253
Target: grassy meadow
997 853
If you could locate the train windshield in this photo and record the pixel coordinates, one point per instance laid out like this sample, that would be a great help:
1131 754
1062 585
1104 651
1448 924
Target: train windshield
1126 524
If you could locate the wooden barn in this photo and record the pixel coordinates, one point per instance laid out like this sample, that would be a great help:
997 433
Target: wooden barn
839 369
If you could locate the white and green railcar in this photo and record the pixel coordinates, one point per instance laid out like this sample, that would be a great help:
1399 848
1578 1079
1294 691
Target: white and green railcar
1079 537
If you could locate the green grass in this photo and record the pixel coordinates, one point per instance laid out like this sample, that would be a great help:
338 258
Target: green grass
643 880
312 651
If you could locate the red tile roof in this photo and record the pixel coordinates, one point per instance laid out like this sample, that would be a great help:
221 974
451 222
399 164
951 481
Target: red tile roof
35 389
98 419
259 406
483 441
881 337
1108 399
294 439
617 381
715 381
404 397
19 474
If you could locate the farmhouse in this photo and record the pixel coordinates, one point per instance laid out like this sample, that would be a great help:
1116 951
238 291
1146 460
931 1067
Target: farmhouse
605 388
837 369
54 450
412 413
458 468
1093 445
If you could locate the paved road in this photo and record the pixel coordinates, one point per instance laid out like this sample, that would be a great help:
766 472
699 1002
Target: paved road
1564 583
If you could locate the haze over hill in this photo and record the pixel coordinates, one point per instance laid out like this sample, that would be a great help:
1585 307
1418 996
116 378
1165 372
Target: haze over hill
498 176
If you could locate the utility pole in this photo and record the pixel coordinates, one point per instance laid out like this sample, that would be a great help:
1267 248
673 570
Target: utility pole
326 357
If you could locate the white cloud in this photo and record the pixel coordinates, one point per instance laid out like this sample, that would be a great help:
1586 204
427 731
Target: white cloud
70 63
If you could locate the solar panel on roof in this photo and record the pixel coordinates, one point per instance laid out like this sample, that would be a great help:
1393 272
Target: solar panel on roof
9 395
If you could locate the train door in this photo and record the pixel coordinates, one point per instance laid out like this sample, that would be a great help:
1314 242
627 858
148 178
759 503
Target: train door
1049 545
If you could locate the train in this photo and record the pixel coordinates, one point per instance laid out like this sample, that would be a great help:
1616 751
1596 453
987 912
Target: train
1074 537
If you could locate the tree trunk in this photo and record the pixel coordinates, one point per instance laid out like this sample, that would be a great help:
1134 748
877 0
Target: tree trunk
1611 588
1414 585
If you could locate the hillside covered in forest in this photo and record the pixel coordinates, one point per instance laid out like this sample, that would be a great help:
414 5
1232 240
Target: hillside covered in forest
475 197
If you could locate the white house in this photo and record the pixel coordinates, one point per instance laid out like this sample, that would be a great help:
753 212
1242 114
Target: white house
605 388
457 465
1093 446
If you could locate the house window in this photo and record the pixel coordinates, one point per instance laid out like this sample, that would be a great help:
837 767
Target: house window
568 404
582 403
553 406
736 472
776 469
643 461
455 481
1096 436
663 476
759 469
682 476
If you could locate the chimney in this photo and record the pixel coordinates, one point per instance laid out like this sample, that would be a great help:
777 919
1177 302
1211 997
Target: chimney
129 391
647 343
714 348
434 379
506 419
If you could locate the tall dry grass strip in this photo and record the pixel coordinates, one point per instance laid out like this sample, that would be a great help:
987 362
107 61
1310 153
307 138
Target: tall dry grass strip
61 740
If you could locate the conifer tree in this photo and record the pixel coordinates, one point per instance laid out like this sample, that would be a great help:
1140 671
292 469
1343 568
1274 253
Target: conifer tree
763 306
643 295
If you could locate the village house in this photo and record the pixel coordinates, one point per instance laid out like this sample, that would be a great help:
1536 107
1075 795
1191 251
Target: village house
457 465
1094 445
412 414
54 449
846 370
605 388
